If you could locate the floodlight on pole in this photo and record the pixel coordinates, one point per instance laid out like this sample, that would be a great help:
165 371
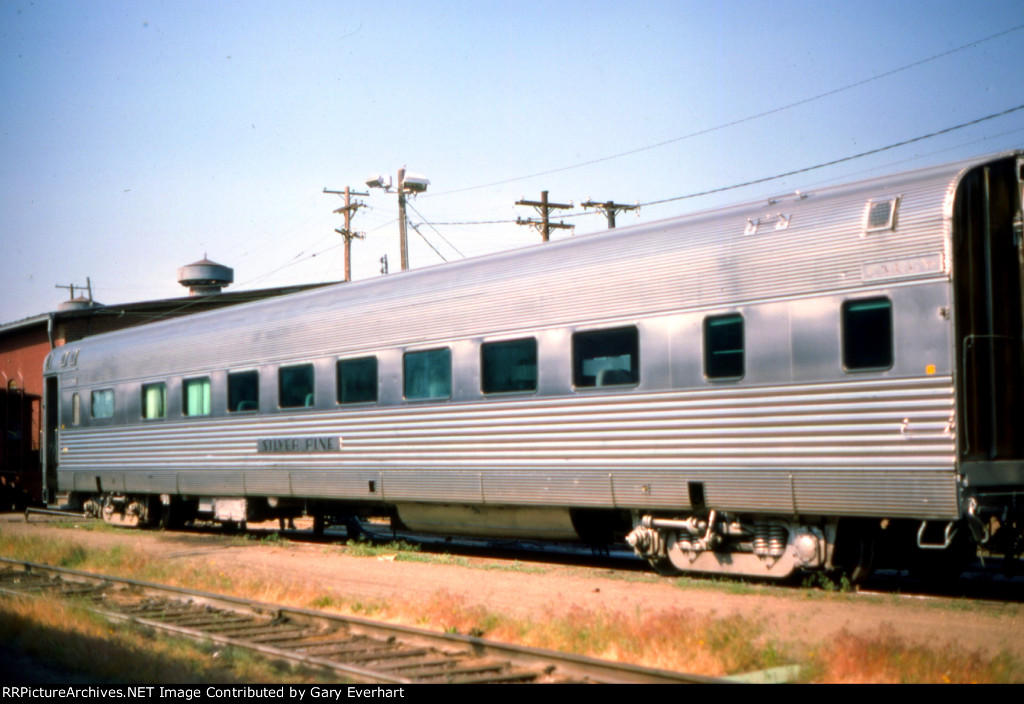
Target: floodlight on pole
407 184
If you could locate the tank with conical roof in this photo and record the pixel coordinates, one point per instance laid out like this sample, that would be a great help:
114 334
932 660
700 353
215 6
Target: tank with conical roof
205 277
78 303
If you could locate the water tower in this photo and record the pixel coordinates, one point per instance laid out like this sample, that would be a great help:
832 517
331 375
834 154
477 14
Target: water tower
205 277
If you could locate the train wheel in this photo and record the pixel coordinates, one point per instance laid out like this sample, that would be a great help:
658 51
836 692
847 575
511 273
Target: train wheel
856 554
173 515
318 524
664 567
353 528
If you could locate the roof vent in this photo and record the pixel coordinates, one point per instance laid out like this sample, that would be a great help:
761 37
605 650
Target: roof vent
205 277
881 214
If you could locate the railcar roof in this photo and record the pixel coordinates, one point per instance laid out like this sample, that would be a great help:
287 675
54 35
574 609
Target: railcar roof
623 259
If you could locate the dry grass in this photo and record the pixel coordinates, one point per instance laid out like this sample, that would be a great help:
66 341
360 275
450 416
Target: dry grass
885 658
701 644
73 643
670 639
673 639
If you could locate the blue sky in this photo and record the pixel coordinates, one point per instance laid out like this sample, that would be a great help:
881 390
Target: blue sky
137 136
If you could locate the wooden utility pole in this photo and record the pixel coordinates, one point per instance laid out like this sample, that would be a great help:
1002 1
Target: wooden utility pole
407 184
403 231
347 210
544 208
609 208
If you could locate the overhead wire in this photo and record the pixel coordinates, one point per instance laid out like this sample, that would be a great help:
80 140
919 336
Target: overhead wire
915 157
841 160
742 120
417 230
721 189
794 172
299 258
410 206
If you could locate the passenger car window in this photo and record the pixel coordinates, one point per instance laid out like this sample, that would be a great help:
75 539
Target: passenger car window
723 347
357 380
76 409
867 334
508 366
244 391
605 357
196 397
427 374
295 387
103 403
154 401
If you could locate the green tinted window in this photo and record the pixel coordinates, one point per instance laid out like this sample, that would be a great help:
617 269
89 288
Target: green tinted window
196 400
295 387
723 347
357 380
427 374
244 391
509 366
154 401
103 403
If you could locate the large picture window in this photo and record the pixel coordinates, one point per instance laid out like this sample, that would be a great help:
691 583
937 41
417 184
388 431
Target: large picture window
427 374
295 386
508 366
357 380
606 357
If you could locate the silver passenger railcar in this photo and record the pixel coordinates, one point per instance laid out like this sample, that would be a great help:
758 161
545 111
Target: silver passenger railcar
829 379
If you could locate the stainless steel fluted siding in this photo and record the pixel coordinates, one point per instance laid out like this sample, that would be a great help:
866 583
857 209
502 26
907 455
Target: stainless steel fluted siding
693 262
884 445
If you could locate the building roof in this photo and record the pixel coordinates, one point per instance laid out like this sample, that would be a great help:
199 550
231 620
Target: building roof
150 311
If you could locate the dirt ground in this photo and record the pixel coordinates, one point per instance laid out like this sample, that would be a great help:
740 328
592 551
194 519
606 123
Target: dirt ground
794 615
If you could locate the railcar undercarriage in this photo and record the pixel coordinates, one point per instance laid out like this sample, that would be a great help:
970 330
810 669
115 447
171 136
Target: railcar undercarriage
776 548
717 542
172 512
707 542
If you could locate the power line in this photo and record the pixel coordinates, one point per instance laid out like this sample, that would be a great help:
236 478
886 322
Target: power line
610 209
742 120
806 169
544 208
415 227
300 258
477 222
915 157
839 161
427 222
297 259
348 210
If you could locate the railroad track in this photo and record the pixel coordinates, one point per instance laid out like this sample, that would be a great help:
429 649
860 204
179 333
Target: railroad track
359 649
987 580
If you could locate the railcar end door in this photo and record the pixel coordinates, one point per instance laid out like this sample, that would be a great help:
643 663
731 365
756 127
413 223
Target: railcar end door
987 256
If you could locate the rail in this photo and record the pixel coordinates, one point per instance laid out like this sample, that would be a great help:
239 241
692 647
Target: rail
361 649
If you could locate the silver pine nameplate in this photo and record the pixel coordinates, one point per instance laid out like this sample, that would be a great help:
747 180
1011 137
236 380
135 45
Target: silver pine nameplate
291 446
926 265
